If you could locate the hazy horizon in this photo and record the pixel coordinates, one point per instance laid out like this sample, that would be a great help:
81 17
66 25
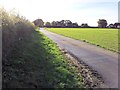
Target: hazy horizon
87 11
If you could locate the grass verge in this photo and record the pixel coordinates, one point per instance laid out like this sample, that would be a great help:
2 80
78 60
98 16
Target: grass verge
30 59
37 62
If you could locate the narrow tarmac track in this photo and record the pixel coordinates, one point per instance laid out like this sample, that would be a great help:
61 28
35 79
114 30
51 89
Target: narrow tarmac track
103 61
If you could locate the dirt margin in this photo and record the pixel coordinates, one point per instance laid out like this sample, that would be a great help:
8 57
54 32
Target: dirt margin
91 78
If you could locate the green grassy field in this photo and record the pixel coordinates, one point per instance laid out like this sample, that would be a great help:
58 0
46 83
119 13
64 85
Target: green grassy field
106 38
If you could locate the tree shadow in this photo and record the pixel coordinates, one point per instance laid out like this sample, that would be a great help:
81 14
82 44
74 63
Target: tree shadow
37 63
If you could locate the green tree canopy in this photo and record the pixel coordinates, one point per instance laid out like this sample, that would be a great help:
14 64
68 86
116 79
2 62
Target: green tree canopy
38 22
102 23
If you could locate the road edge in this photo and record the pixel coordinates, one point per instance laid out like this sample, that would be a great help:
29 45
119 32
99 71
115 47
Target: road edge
91 77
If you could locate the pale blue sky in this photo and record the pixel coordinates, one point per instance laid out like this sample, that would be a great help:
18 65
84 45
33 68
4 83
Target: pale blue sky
80 11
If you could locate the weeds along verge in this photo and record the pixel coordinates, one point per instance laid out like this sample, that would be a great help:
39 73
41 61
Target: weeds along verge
30 59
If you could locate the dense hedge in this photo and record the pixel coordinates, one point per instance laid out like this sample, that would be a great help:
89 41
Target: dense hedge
14 28
31 60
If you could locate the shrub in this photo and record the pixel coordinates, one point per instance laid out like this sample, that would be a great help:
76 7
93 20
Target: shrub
14 28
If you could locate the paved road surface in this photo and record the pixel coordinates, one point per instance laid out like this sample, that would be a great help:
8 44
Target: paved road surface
103 61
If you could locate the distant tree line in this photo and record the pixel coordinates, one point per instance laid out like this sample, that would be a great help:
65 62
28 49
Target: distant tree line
102 23
62 23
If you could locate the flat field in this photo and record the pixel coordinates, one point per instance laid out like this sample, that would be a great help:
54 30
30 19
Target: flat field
105 38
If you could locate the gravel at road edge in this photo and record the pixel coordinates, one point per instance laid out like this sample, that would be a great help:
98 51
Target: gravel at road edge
91 78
